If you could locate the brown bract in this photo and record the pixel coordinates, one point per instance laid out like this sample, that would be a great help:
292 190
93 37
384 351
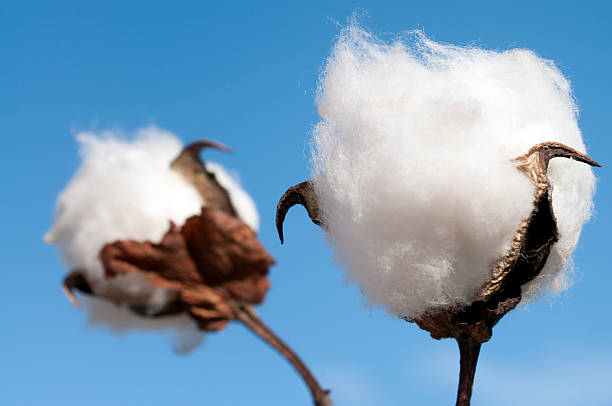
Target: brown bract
213 262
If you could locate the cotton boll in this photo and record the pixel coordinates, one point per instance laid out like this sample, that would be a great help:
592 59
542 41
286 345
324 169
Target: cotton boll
126 190
412 164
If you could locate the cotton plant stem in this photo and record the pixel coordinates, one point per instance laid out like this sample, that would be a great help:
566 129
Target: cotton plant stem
247 315
469 349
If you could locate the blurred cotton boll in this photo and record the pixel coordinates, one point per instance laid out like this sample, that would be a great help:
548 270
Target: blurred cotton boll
126 190
412 165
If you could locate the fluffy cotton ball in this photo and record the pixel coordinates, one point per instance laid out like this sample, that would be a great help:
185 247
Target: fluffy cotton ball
126 190
411 164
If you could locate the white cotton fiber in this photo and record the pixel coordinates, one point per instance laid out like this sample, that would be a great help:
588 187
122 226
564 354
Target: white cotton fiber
126 190
411 164
119 320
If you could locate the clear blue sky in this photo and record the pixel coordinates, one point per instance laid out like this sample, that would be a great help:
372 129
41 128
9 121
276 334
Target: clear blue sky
245 74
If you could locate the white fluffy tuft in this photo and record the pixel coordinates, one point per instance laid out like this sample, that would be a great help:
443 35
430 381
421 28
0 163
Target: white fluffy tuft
411 163
126 190
119 320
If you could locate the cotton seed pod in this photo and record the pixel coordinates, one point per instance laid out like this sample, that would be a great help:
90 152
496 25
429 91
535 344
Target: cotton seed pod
430 178
209 266
133 191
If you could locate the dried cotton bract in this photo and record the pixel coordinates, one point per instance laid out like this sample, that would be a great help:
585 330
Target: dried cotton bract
128 191
412 165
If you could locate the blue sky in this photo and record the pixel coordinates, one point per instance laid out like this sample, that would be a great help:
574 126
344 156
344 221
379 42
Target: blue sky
245 74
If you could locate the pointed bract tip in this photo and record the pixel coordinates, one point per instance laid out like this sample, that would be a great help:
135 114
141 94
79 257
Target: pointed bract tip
550 150
197 146
302 193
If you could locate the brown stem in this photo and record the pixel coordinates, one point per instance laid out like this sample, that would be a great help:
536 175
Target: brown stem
247 315
469 349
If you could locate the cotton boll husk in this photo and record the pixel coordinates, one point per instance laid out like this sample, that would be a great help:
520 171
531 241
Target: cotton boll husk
127 190
412 165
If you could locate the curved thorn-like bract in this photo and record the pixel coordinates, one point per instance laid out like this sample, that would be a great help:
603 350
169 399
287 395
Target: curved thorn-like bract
302 193
196 146
189 164
75 280
550 150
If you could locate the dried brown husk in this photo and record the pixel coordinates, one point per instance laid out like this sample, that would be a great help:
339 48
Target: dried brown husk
212 261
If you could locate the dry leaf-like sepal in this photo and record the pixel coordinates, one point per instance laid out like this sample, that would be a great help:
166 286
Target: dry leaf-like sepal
210 261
